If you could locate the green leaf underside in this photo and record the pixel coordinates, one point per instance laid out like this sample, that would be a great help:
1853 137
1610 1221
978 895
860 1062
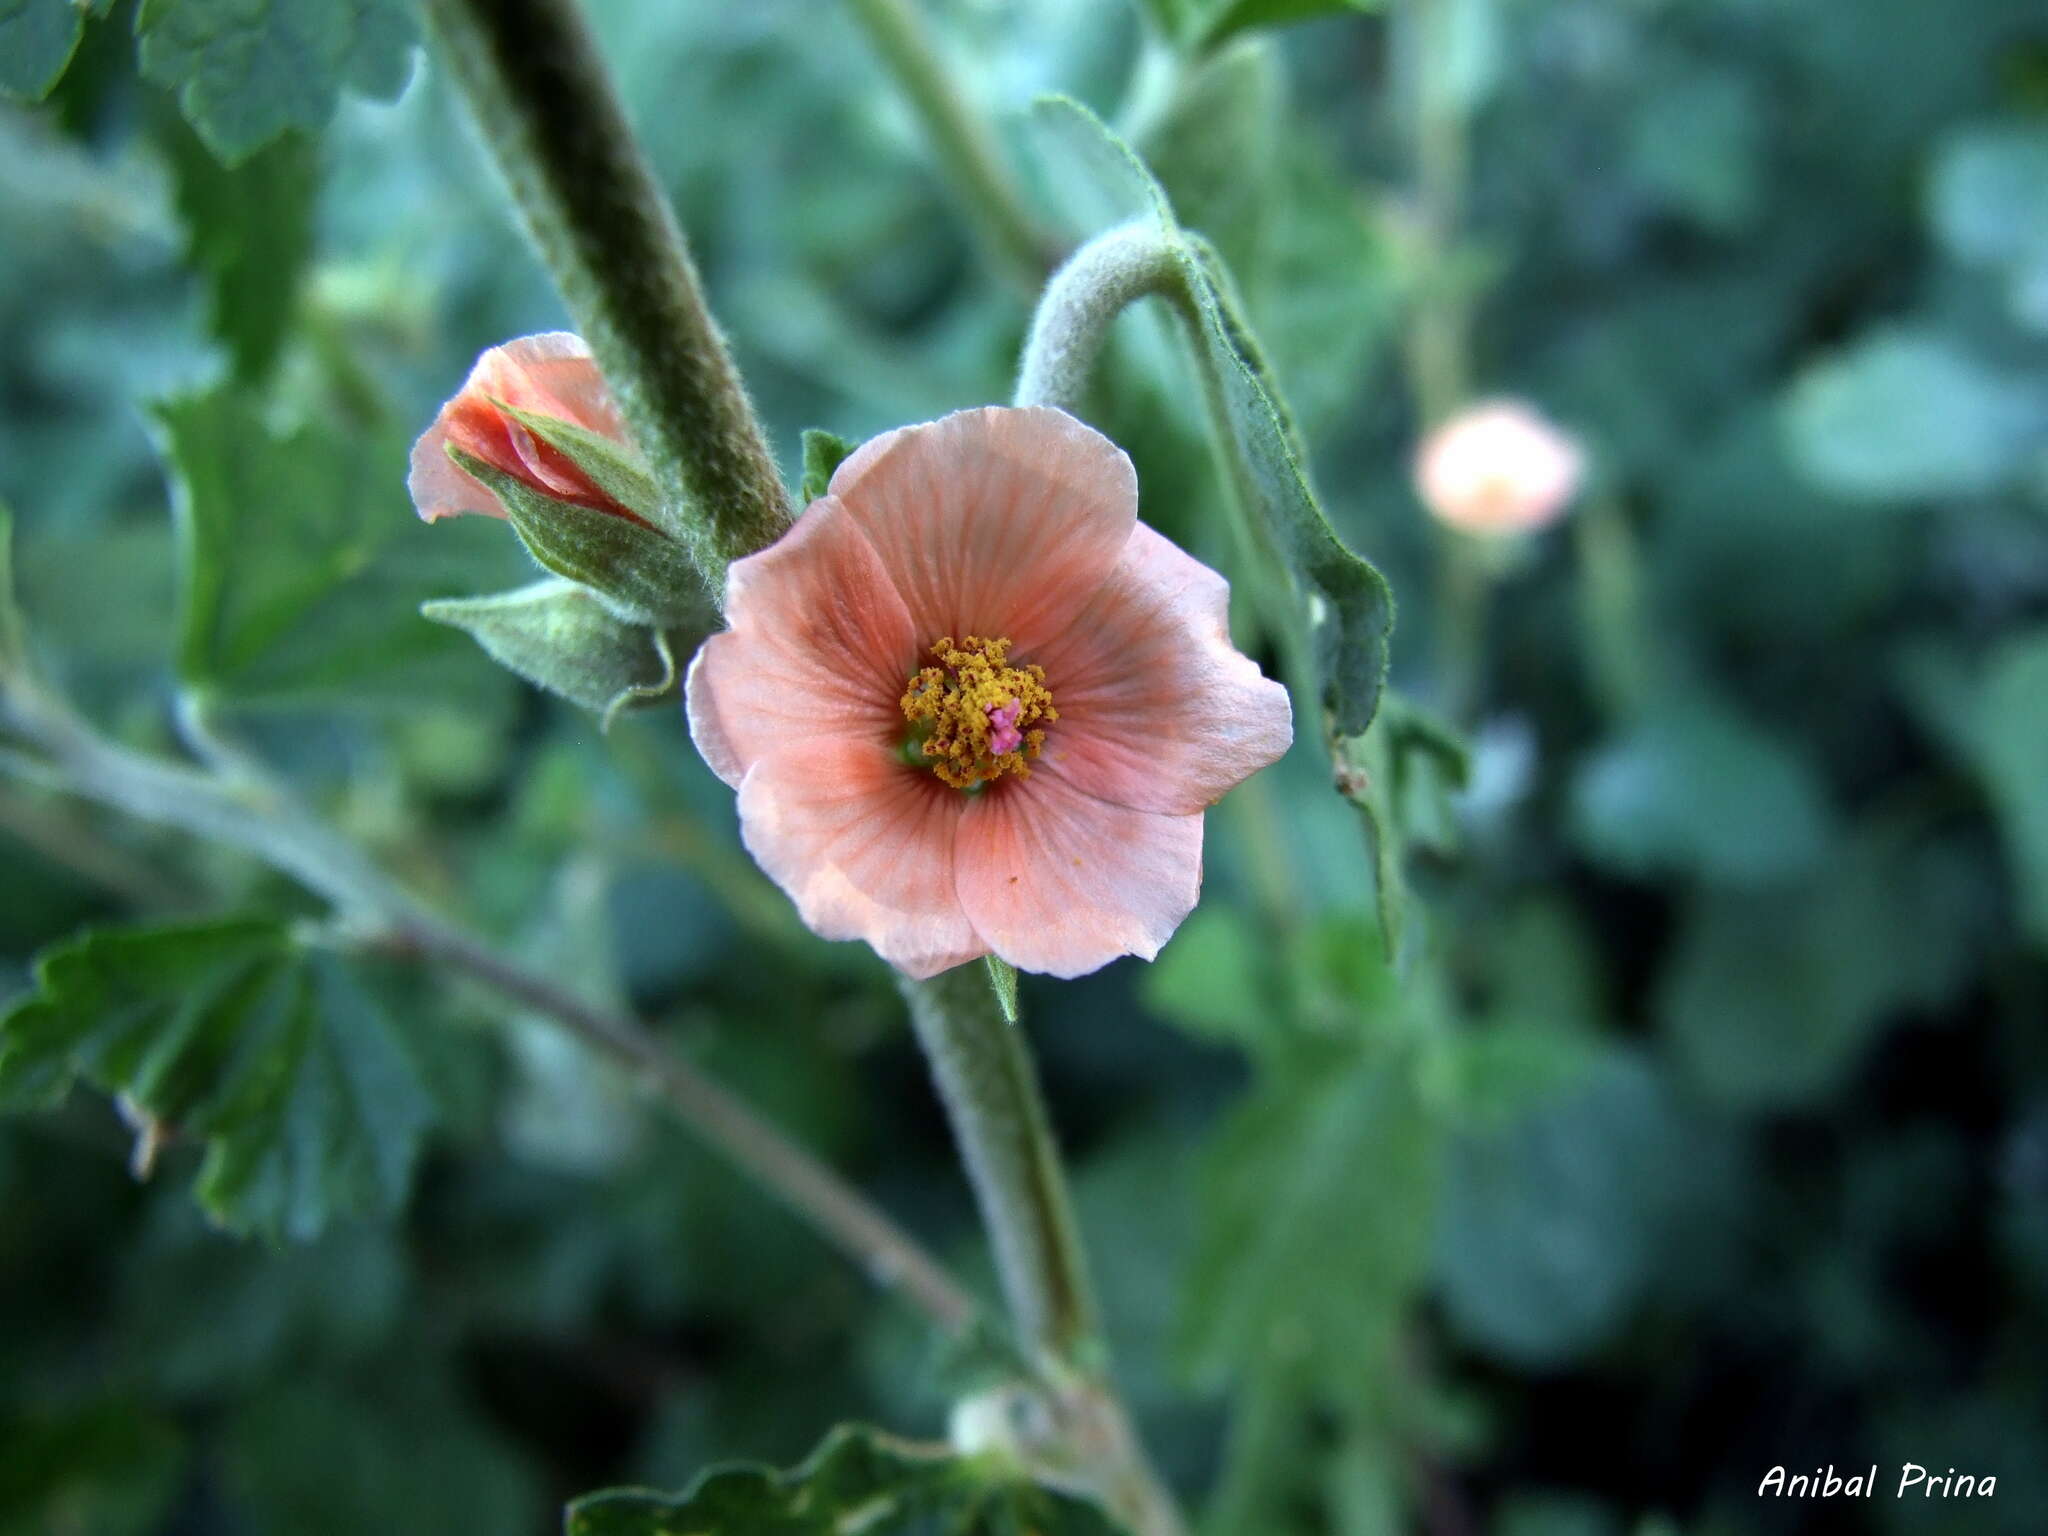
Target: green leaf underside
232 1033
858 1481
301 572
1350 608
613 468
560 636
645 574
824 452
37 39
246 71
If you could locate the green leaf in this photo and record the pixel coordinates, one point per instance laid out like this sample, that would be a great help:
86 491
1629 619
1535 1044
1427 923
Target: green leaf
1907 416
37 39
1989 205
301 568
13 632
1348 605
858 1480
2004 725
249 234
110 1469
1771 995
235 1034
646 576
1317 1200
559 635
402 1455
246 71
823 453
1210 980
1694 788
1551 1223
1225 18
1002 980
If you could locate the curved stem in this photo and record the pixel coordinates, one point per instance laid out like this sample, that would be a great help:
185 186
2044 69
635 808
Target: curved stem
247 809
1082 301
544 104
966 148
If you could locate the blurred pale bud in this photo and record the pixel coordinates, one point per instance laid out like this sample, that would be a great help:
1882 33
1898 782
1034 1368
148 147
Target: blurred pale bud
1496 467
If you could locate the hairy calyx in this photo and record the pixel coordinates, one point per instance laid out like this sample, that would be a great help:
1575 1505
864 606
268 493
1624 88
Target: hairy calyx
973 716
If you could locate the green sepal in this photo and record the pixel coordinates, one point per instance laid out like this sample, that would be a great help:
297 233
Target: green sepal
613 467
859 1479
560 636
1002 980
824 452
642 575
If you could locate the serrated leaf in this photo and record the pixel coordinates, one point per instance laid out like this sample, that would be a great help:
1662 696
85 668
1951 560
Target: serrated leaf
235 1034
301 569
249 234
37 39
560 636
858 1480
1226 18
246 71
1349 609
644 574
823 453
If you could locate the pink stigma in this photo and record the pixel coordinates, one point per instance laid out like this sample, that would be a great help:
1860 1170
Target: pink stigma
1003 735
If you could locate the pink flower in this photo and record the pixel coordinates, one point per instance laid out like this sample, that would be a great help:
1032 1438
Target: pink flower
1498 467
547 375
972 705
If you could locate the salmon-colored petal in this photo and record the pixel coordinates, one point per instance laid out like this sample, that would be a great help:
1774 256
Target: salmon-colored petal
993 521
551 374
1059 882
1158 710
864 846
820 646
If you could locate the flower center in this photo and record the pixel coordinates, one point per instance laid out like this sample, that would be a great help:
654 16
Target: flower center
974 717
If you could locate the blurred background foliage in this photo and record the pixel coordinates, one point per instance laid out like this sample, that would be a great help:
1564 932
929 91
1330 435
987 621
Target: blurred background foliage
1708 1132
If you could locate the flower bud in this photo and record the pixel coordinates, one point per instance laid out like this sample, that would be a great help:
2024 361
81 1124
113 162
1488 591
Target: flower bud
1498 467
536 411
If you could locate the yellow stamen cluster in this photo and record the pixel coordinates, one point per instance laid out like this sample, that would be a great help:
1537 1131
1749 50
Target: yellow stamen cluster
948 707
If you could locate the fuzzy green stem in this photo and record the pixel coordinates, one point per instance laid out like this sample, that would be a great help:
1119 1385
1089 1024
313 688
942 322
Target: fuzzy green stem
960 138
986 1079
546 111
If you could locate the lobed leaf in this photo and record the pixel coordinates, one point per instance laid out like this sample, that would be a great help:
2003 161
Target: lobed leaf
246 71
233 1033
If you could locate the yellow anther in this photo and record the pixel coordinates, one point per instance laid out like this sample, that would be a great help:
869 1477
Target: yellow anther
970 703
